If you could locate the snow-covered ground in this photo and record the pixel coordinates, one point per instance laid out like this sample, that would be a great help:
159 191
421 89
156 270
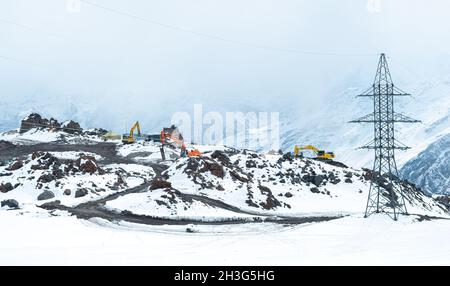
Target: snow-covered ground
148 204
63 240
34 136
68 181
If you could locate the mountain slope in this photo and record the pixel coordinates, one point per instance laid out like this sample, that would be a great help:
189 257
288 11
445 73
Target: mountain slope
431 168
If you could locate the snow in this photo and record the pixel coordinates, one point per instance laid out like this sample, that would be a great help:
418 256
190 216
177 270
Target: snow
73 155
34 136
64 240
146 204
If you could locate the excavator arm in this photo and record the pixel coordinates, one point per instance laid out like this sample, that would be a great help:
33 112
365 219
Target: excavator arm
130 138
135 126
319 153
175 136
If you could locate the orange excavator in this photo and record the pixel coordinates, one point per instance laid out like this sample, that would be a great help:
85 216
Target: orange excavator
172 134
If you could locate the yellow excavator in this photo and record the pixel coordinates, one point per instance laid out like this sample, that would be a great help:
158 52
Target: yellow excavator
128 139
320 154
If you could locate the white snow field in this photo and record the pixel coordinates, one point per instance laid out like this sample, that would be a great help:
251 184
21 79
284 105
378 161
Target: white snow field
61 240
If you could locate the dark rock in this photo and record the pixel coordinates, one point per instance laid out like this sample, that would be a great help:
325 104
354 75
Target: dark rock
95 132
46 195
15 166
271 202
4 188
71 127
11 203
317 180
67 192
46 178
235 176
4 145
288 195
87 164
250 164
348 180
215 169
286 157
81 193
221 157
51 205
33 120
315 190
160 184
58 173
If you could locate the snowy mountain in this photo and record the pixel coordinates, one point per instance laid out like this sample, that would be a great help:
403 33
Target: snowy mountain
244 183
431 168
328 126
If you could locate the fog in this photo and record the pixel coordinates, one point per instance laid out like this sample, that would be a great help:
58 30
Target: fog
116 61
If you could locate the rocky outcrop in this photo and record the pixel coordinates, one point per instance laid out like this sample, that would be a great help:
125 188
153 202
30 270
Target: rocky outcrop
87 164
36 121
71 127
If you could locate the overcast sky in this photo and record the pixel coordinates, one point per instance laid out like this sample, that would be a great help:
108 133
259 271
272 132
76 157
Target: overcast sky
143 59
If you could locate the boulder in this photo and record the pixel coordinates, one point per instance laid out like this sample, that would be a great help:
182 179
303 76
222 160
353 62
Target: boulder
87 164
213 167
288 195
4 188
67 192
160 184
81 193
15 166
46 195
46 178
11 203
250 164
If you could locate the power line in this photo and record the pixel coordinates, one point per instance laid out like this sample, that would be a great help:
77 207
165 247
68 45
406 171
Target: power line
215 37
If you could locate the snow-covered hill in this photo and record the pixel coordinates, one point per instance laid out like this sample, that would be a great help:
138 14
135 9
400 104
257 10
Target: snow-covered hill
431 168
247 182
328 125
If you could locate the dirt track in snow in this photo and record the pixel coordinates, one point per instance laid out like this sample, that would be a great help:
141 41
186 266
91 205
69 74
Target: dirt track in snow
96 209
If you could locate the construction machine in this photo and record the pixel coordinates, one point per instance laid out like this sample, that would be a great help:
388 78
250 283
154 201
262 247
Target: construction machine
172 134
129 138
320 154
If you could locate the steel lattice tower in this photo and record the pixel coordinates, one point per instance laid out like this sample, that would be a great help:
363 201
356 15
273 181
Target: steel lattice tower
384 194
